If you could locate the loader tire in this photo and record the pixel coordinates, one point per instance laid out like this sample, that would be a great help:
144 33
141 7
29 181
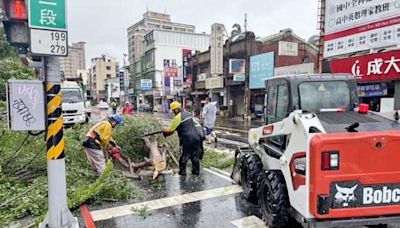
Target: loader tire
273 199
250 169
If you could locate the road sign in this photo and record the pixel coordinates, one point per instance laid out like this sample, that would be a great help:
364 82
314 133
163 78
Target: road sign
47 14
47 42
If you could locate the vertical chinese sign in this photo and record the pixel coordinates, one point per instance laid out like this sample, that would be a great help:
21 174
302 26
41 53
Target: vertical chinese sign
217 49
187 67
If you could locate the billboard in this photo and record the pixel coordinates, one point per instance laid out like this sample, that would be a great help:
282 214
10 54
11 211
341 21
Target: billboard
373 67
261 68
217 49
288 48
187 67
146 84
237 66
170 68
307 68
352 26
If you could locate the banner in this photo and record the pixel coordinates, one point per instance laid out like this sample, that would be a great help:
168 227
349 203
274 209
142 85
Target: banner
288 48
373 67
170 68
237 66
352 26
187 67
261 68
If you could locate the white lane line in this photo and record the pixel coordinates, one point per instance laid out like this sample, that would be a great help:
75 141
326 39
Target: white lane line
249 222
220 171
219 175
164 202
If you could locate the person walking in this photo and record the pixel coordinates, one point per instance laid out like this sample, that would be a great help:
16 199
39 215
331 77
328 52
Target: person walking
127 110
100 138
114 106
189 138
209 115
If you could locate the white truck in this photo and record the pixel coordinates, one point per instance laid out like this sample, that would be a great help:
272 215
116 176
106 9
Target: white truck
73 106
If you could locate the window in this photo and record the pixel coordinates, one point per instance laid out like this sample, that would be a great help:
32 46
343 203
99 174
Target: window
331 95
167 27
108 67
398 32
108 76
278 103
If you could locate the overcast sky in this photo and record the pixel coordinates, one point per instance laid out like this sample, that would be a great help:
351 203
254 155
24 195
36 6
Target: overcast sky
103 23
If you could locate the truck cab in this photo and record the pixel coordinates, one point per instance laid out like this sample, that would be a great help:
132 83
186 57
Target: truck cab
73 106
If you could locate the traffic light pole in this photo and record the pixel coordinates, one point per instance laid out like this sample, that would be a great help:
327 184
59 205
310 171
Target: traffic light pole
58 215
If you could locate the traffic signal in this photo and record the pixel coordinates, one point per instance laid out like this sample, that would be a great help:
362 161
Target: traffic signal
16 23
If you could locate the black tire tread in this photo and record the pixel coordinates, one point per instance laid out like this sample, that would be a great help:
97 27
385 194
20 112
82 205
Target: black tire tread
280 200
255 169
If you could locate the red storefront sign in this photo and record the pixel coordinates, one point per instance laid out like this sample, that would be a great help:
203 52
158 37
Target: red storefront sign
373 67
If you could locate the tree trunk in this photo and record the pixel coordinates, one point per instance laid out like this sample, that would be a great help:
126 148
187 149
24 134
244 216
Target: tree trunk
155 155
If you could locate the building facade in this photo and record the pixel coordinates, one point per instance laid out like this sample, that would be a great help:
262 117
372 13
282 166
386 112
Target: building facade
242 88
150 21
102 68
162 63
76 60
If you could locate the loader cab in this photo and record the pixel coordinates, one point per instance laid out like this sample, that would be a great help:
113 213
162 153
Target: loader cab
309 93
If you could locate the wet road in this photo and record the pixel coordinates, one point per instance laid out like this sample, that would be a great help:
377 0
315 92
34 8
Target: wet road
206 201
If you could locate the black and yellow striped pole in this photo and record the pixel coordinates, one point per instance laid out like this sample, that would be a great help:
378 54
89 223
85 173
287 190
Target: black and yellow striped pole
58 214
55 136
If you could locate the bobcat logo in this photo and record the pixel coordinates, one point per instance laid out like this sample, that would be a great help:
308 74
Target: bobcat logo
345 195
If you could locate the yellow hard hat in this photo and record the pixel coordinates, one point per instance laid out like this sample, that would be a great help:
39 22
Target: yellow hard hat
174 105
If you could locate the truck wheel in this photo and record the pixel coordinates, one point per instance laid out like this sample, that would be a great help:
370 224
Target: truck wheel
273 199
250 169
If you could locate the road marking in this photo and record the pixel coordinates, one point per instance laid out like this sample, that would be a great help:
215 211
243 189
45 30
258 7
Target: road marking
249 222
219 175
227 141
231 129
164 202
220 171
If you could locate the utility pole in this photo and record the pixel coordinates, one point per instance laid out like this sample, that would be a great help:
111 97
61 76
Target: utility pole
58 214
245 22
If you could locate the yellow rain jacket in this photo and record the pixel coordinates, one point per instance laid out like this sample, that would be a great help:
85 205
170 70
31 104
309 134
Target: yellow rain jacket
101 133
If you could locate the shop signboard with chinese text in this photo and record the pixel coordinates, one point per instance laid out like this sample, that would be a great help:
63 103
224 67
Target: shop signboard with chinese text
217 49
26 105
372 90
170 68
352 26
307 68
373 67
261 68
288 48
237 66
215 82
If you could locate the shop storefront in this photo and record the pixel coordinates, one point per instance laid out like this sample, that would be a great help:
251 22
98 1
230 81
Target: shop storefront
376 75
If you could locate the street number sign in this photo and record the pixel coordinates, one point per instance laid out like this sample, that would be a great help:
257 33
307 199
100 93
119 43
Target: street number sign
48 42
47 14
